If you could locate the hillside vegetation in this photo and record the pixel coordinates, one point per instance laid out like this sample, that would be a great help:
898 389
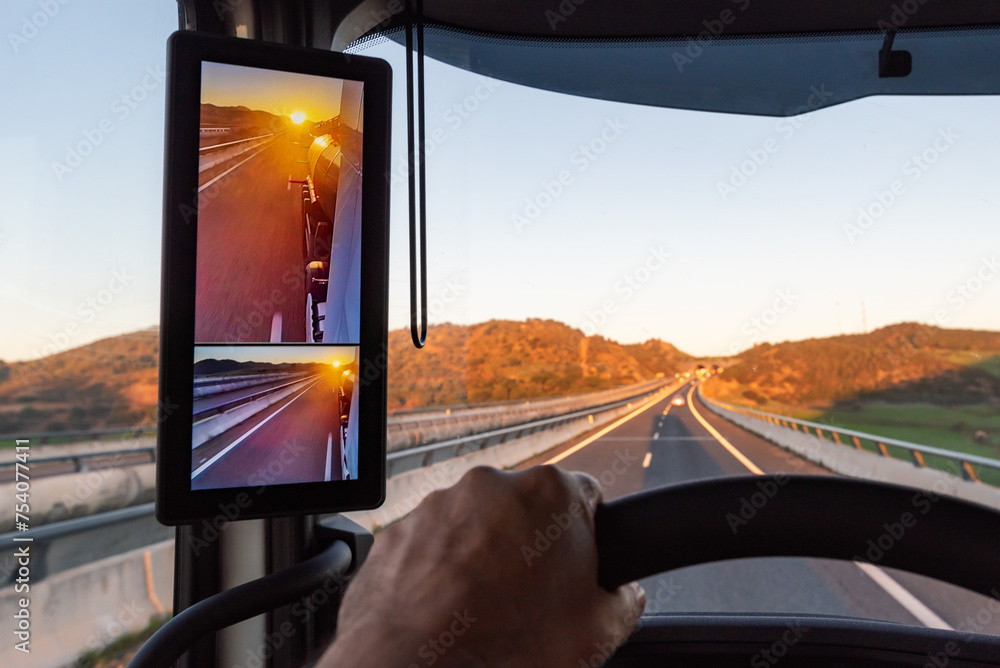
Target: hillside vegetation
113 382
503 360
108 383
900 363
912 382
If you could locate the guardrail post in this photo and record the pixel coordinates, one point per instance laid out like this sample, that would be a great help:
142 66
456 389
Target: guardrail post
819 432
857 442
969 473
884 450
836 437
795 426
918 458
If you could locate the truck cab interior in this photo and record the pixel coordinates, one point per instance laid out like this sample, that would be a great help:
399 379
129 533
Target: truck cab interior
731 167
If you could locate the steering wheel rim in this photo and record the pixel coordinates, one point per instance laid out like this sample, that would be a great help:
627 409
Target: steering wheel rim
704 521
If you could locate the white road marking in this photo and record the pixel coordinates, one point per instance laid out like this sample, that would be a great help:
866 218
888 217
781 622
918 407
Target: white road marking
656 435
743 459
661 438
233 167
329 456
289 187
201 469
646 460
276 327
913 605
584 443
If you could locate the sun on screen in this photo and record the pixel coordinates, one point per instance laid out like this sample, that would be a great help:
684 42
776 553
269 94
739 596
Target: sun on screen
298 117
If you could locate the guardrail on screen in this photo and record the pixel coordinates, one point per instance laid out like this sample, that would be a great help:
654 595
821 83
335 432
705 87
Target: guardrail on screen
915 452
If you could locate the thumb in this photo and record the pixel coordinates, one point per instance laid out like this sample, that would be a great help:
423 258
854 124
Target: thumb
628 601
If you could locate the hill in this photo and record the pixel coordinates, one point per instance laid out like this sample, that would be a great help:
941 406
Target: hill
113 382
108 383
502 360
907 362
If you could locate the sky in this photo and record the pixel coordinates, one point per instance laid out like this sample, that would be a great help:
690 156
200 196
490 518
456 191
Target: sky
280 93
710 231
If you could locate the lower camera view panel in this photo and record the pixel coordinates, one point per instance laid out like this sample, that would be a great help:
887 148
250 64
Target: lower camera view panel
274 415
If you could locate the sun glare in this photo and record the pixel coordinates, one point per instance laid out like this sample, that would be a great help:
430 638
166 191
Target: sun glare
298 117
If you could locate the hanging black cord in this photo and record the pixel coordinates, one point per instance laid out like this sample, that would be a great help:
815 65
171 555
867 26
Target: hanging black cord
418 324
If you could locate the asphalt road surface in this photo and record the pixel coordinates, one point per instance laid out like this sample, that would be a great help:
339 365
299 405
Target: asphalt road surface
668 444
295 440
251 264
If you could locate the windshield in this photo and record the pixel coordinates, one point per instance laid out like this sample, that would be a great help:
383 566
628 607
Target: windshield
650 295
833 267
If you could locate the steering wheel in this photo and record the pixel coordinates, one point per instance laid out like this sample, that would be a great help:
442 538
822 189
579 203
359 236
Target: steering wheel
693 523
798 516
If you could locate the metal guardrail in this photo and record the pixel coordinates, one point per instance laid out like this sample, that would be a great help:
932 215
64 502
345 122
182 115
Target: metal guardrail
205 149
397 463
43 437
425 455
43 536
410 431
42 467
457 416
916 451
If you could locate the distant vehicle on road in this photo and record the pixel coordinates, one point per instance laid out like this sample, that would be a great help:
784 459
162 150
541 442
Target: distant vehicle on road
677 401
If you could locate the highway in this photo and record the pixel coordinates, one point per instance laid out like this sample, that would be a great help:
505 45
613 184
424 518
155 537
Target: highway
251 264
294 440
666 444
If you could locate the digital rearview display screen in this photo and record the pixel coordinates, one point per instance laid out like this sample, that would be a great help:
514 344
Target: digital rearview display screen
278 278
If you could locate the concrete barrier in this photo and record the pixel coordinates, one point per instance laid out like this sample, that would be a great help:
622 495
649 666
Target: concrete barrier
410 430
849 461
406 490
213 158
207 429
87 608
78 494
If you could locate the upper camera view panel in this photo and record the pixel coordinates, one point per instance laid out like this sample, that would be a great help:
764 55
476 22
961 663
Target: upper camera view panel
279 207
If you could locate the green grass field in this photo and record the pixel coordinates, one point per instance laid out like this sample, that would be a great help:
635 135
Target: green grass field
949 428
946 427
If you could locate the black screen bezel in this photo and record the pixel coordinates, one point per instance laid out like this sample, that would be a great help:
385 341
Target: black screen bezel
176 502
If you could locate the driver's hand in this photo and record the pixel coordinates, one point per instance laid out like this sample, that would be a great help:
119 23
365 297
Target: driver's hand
499 570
